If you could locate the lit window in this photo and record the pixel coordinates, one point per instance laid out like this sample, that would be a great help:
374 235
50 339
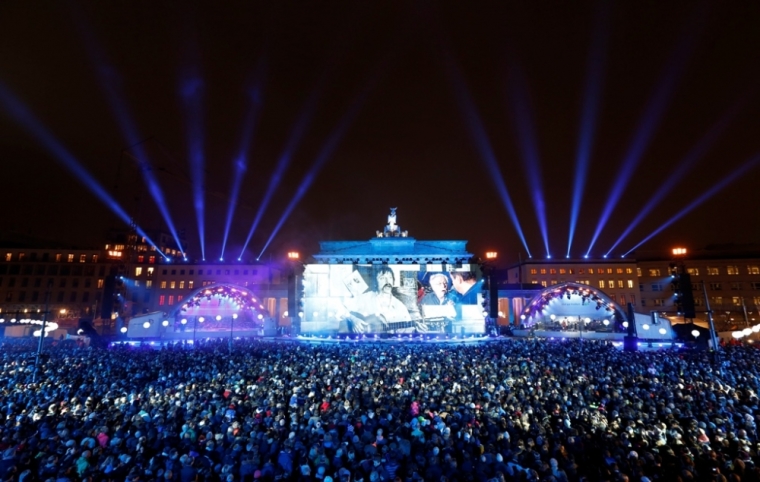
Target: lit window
713 271
137 283
543 283
601 283
591 271
622 299
553 282
609 270
190 284
58 257
543 270
620 283
736 300
171 299
732 269
532 270
611 284
619 271
8 256
562 271
570 271
172 285
150 271
654 272
82 258
138 271
581 271
100 283
552 271
71 258
152 260
161 300
21 256
717 300
94 258
630 284
149 284
163 285
181 285
629 271
638 272
693 271
753 269
534 282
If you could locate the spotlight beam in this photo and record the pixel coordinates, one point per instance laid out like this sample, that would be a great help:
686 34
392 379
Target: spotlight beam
591 96
191 90
110 82
241 162
691 158
523 123
324 155
648 123
296 135
747 166
24 116
483 145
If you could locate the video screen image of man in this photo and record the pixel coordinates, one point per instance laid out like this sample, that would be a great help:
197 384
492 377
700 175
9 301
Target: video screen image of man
379 310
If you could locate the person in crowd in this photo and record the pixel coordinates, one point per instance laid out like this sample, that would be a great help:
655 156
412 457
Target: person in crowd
506 410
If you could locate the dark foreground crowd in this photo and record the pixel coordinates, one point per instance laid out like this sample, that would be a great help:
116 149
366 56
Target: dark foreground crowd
511 410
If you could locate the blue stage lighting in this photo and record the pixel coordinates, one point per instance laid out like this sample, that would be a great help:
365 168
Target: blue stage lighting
591 96
548 256
747 166
647 126
585 256
110 81
24 117
522 120
304 121
324 154
483 145
686 164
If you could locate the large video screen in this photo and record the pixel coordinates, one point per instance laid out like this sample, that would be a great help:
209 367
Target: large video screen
392 299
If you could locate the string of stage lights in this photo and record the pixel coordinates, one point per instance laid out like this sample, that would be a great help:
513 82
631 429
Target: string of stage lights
110 80
25 118
591 97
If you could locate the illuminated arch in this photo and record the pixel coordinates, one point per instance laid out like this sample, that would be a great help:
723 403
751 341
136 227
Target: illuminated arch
572 300
222 299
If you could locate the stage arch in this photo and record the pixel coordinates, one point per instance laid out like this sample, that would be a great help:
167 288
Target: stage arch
567 305
218 307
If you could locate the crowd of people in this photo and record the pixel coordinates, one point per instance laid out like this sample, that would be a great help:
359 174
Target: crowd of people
506 410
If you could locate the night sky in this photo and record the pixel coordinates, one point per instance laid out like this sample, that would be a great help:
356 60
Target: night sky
392 88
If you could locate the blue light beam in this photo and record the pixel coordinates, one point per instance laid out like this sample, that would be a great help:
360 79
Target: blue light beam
691 158
483 145
191 90
647 126
241 161
324 155
24 116
748 165
523 123
591 96
296 135
110 82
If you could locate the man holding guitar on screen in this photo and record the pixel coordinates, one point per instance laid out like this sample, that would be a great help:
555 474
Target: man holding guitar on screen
379 311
